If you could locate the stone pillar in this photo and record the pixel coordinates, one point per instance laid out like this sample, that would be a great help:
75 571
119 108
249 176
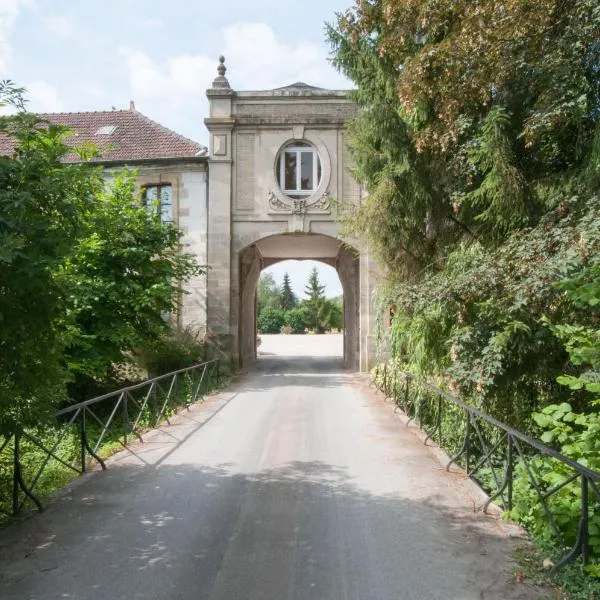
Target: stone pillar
250 268
368 338
220 125
348 271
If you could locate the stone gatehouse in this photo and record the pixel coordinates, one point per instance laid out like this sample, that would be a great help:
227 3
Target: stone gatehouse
278 179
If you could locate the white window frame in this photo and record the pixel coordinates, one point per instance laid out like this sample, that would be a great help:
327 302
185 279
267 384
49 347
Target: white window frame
298 150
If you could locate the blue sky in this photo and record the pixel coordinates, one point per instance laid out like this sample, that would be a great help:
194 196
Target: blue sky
75 55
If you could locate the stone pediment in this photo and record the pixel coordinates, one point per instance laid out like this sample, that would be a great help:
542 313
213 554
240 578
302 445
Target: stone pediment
299 86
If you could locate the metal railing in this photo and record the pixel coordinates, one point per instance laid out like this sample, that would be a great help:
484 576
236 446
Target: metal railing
83 428
497 456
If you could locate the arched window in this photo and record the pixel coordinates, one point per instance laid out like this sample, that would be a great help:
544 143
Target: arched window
298 169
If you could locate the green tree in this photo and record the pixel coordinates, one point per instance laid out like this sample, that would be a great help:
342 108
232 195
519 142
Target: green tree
85 270
268 294
123 279
474 118
316 303
288 298
42 203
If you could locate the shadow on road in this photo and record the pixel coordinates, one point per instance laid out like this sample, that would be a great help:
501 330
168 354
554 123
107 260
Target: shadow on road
303 531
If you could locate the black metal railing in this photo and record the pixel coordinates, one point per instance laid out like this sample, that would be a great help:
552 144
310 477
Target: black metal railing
84 430
499 457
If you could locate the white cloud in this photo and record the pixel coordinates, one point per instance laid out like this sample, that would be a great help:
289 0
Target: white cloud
258 60
173 91
61 26
9 11
43 97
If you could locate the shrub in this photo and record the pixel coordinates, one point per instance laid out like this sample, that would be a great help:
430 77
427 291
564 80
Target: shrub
176 350
270 320
298 319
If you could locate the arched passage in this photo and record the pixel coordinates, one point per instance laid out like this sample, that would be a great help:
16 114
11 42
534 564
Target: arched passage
272 249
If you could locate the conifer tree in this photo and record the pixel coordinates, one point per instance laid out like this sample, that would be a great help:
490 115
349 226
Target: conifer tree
317 304
288 298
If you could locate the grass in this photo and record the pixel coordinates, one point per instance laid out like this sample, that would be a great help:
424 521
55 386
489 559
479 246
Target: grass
55 474
572 582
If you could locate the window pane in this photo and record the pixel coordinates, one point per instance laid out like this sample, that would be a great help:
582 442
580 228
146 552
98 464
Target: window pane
166 203
318 170
290 170
306 171
150 195
166 213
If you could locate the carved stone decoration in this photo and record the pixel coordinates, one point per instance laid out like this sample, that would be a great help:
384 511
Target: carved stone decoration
323 202
299 207
276 204
296 206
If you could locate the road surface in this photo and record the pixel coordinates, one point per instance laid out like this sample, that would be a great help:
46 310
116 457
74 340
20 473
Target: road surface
297 483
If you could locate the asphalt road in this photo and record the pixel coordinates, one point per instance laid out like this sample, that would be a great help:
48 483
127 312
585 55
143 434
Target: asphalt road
297 483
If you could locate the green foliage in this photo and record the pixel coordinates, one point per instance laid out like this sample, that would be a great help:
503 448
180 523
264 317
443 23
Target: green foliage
288 298
86 274
318 308
174 350
472 119
298 319
576 435
42 207
267 293
122 277
270 320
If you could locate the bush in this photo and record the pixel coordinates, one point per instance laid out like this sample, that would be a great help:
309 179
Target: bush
270 320
177 350
298 319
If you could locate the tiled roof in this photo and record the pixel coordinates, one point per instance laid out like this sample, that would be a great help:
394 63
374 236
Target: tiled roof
120 136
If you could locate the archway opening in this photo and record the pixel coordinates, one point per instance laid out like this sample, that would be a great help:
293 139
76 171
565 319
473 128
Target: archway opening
300 310
270 251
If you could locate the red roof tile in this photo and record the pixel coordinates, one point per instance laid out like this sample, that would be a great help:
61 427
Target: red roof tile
130 136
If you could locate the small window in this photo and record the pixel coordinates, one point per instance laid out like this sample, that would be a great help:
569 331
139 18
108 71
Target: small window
298 170
106 130
159 199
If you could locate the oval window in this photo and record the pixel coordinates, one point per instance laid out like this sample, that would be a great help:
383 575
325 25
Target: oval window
298 169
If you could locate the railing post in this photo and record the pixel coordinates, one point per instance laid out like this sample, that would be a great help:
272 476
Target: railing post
16 466
584 530
82 434
509 471
154 405
125 418
468 443
440 419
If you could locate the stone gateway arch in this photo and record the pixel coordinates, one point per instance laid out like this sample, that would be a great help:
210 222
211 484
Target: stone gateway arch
278 179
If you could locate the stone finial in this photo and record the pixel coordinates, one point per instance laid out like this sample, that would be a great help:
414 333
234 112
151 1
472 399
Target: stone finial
221 81
221 69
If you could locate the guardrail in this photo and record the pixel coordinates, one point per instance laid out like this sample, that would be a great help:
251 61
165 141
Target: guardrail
82 428
494 454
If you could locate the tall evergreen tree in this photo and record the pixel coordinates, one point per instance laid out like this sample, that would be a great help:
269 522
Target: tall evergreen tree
288 298
317 303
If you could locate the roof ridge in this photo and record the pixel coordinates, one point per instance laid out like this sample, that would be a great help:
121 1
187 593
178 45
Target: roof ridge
86 112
